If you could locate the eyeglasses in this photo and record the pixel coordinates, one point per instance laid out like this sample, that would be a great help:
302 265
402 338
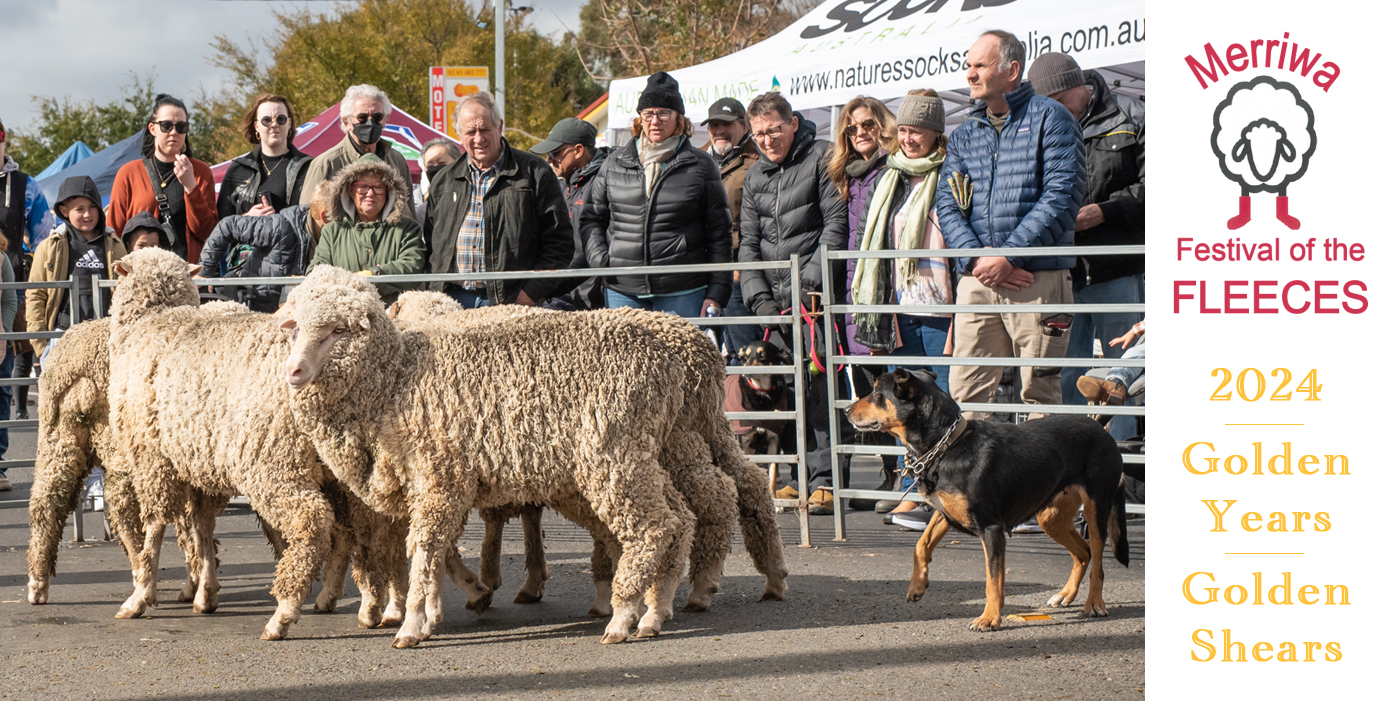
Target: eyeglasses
366 188
377 118
557 155
771 134
867 125
281 119
658 115
166 126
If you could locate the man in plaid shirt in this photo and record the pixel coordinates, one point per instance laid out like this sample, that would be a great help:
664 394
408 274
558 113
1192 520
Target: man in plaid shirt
496 209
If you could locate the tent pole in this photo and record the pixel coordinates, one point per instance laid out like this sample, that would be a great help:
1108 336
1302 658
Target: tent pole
501 58
835 115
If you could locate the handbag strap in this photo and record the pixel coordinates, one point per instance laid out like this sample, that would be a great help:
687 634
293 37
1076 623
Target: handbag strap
161 200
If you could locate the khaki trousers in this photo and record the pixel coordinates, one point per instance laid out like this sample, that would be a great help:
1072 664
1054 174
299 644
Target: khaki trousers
1008 336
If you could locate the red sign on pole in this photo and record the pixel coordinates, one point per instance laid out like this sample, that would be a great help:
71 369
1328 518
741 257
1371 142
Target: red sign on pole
447 85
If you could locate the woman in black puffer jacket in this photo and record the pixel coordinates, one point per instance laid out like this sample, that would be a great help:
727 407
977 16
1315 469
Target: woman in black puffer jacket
660 201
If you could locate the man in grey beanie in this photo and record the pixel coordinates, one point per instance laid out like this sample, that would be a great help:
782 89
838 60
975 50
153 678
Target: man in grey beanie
1112 213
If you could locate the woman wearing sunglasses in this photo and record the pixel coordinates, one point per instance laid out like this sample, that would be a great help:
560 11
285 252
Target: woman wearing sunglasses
174 188
270 177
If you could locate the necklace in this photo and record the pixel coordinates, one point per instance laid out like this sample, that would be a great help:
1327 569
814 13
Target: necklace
166 179
280 160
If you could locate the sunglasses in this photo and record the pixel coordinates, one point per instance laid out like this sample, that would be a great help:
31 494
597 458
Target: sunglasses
377 118
281 119
167 126
557 155
867 125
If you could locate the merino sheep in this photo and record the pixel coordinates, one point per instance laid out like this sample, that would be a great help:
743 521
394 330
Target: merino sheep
432 422
179 431
709 495
74 437
1263 138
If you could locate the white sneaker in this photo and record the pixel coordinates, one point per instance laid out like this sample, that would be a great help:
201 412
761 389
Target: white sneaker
1027 528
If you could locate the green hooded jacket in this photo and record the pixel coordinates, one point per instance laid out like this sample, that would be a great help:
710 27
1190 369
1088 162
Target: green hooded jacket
391 245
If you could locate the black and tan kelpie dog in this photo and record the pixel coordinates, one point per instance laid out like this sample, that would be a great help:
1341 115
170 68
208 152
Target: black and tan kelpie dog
983 478
763 393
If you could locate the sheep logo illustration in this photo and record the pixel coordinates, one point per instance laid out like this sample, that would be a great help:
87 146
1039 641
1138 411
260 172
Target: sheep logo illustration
1263 138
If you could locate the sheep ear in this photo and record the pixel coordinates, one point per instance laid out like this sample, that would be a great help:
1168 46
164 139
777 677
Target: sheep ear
393 310
1289 152
193 268
121 268
288 325
1238 152
364 323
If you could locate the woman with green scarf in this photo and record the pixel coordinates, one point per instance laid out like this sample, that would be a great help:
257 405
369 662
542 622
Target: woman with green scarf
900 215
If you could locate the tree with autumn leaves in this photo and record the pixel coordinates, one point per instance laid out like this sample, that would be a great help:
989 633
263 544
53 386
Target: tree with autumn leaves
312 56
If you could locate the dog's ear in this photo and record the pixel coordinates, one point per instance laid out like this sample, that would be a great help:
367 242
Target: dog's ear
785 356
906 386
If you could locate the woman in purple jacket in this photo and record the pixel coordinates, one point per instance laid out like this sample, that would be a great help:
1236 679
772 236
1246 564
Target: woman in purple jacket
863 136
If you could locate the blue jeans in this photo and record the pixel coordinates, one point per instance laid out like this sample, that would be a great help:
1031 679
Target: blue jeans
736 337
1105 327
1127 376
467 298
922 335
6 369
687 305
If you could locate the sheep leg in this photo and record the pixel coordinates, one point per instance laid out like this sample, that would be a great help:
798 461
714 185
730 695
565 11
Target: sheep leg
494 520
187 539
304 516
536 568
372 559
631 499
661 595
143 577
333 572
274 539
755 501
60 470
605 555
204 512
606 550
436 520
394 535
478 594
711 496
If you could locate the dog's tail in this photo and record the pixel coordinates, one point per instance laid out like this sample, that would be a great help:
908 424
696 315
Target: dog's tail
1118 525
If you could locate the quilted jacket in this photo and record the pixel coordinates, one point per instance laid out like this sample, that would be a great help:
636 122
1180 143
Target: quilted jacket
685 221
1027 181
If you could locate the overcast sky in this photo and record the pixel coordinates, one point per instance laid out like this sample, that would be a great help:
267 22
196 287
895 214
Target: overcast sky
87 49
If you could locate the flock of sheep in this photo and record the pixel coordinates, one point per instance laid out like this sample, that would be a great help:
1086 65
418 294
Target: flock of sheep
365 434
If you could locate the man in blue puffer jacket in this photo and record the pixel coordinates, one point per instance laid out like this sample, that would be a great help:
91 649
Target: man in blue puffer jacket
1013 178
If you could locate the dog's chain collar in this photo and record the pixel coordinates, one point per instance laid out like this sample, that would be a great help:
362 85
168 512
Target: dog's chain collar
918 464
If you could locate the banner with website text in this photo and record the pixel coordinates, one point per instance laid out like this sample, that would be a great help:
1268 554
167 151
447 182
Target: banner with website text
1270 241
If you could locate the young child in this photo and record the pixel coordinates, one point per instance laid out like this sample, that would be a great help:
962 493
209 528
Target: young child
83 248
144 231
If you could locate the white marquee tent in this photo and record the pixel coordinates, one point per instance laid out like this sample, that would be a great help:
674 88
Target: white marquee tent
884 48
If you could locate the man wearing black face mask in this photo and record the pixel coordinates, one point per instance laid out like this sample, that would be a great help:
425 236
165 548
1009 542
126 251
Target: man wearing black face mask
363 112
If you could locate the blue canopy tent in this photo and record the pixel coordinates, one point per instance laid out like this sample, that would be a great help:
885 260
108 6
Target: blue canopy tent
79 151
101 167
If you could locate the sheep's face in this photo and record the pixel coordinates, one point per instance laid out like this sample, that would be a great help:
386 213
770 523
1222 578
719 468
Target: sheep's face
330 317
1263 142
313 346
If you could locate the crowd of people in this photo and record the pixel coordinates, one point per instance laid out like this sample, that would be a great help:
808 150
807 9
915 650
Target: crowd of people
1052 160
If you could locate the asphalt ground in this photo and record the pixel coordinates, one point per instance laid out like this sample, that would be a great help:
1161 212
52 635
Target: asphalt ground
845 630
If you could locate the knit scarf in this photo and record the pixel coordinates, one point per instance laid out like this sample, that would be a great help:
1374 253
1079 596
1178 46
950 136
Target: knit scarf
655 156
869 286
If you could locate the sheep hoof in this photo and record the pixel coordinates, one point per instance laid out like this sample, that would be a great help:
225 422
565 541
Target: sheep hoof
526 598
647 632
368 621
614 638
600 612
186 594
133 608
405 641
38 591
272 632
326 604
695 607
775 591
206 608
390 621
